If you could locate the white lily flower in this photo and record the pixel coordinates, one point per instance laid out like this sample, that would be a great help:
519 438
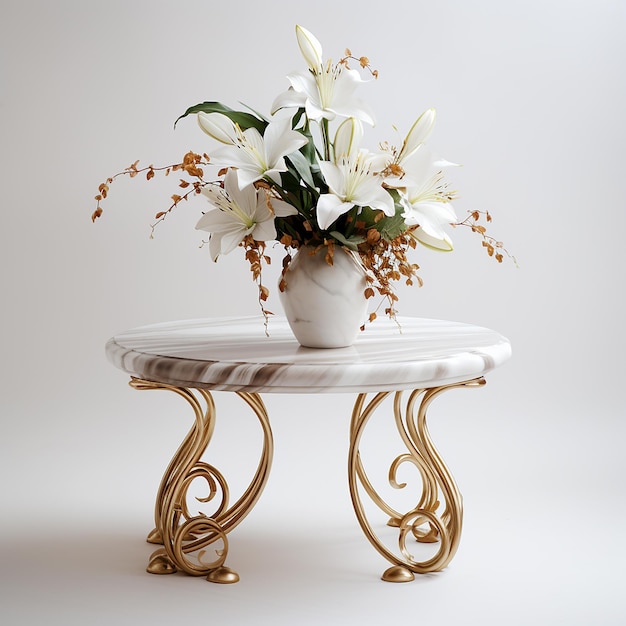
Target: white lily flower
256 156
325 94
327 90
427 203
352 181
239 212
310 47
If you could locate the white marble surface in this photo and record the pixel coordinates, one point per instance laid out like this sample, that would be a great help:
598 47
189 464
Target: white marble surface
234 354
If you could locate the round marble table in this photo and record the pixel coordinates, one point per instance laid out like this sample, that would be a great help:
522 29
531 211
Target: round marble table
413 361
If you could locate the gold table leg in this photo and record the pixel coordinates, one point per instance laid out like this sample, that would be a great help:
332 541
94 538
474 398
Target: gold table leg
423 522
185 537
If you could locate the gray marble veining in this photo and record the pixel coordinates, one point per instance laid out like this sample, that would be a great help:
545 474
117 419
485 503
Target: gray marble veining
234 354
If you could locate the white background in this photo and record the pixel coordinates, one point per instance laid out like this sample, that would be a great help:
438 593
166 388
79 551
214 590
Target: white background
530 99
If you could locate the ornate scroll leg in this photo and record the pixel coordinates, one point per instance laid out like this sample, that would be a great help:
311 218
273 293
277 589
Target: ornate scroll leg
186 538
423 522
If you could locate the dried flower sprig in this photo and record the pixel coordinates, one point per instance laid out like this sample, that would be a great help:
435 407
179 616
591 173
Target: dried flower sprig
364 62
493 247
255 255
190 165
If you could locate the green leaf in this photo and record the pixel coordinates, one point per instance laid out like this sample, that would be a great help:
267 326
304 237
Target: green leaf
320 183
295 120
245 120
284 226
388 227
290 181
259 115
351 243
391 227
302 166
307 150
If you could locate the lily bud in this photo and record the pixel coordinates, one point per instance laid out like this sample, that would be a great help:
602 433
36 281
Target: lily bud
310 47
348 138
419 133
218 126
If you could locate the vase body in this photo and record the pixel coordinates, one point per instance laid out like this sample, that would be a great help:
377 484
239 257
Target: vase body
324 304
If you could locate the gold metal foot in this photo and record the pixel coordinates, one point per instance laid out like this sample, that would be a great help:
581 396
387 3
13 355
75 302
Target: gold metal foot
432 536
155 536
223 576
398 574
160 563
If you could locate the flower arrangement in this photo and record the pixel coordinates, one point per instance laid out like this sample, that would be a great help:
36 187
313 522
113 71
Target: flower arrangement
302 177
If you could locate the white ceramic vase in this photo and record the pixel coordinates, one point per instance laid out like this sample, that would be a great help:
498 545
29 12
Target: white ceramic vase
325 304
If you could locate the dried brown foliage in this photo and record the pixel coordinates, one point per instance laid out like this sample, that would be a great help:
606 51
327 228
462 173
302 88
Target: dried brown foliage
494 247
386 263
255 255
363 61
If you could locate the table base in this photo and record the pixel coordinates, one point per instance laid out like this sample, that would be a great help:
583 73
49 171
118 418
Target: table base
188 540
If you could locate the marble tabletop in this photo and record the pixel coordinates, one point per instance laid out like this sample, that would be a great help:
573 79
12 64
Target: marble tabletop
234 354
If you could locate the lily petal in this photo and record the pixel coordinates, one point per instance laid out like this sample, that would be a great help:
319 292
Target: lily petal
244 196
420 169
280 140
215 221
432 217
231 239
247 177
288 99
378 199
334 177
435 213
344 103
264 231
442 243
224 239
282 208
329 208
